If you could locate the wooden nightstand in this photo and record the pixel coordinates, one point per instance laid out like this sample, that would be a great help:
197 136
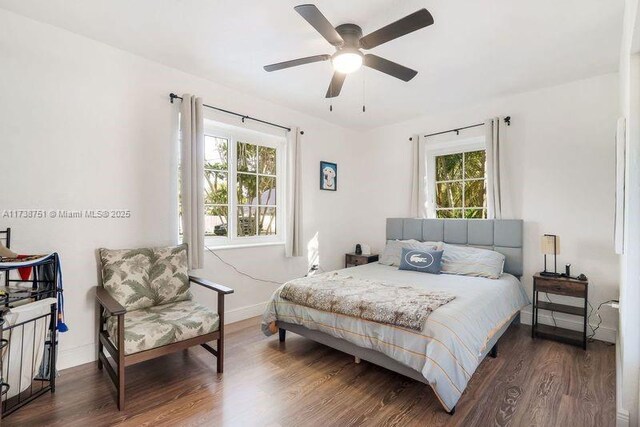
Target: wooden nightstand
352 260
560 286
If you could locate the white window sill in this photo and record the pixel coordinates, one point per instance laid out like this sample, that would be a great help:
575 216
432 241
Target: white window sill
217 247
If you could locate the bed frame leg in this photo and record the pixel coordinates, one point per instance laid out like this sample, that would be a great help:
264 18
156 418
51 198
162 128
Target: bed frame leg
282 333
494 351
452 411
516 319
357 359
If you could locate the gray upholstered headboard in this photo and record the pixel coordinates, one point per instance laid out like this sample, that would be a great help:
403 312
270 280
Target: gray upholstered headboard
500 235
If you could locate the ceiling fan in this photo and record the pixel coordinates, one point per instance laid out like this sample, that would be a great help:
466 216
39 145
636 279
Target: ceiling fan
348 40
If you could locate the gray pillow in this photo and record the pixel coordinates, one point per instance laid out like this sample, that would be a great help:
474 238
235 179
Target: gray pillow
393 250
429 261
470 261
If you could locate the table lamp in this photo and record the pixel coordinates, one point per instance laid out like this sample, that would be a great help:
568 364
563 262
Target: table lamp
550 246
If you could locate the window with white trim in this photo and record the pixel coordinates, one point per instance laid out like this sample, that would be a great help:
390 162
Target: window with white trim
243 187
458 182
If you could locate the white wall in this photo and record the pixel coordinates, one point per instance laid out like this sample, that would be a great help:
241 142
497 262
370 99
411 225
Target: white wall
87 126
628 348
558 176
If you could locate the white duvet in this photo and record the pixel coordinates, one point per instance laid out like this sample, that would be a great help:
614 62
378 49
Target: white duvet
455 336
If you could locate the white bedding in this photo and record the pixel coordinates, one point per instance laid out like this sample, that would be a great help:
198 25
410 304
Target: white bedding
450 346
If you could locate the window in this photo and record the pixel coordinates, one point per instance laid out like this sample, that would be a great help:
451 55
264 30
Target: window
216 186
458 180
243 183
256 183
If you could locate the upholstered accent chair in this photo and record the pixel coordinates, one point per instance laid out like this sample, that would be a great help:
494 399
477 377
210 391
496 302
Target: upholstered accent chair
147 310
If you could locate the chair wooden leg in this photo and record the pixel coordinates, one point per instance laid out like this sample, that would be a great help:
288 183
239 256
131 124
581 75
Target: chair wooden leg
220 356
121 387
100 347
121 363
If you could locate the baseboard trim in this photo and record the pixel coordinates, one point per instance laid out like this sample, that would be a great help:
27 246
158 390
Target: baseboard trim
604 333
622 418
70 357
246 312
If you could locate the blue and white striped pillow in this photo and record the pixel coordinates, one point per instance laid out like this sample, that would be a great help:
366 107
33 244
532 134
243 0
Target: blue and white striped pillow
470 261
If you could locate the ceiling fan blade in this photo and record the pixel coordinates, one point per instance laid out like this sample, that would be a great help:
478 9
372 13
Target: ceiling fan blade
296 62
318 21
401 27
336 85
389 67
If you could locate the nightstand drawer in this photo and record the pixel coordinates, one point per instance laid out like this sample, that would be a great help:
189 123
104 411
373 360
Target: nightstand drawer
358 260
352 260
561 287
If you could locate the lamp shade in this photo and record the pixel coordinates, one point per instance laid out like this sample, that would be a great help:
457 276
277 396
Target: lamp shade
550 244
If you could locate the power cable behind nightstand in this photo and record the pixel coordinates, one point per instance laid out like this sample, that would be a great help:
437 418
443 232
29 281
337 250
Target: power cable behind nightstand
597 312
553 317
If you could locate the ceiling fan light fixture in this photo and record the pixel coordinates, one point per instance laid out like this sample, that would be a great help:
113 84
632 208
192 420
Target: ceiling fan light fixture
347 61
347 39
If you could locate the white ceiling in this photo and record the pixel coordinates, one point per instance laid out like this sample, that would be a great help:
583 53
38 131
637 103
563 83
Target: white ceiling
474 51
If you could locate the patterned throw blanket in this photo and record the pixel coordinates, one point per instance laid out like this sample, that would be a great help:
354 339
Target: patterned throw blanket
366 299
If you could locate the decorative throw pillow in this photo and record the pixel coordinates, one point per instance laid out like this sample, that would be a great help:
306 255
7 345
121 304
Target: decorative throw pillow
393 250
142 278
470 261
429 261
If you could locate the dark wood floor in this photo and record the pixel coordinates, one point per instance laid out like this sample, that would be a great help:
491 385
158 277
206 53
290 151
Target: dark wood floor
301 383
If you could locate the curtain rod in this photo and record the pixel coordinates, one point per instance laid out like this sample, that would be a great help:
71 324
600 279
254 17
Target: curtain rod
244 117
507 121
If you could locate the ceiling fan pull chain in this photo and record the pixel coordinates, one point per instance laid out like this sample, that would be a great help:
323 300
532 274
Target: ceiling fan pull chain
331 92
364 108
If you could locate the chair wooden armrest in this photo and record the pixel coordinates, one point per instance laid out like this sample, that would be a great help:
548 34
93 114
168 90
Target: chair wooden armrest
108 302
210 285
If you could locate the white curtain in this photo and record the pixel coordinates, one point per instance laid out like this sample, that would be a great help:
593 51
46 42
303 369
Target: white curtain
493 139
192 177
293 245
419 194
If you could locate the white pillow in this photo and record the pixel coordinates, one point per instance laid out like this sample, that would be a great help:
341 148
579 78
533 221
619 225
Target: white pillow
393 250
470 261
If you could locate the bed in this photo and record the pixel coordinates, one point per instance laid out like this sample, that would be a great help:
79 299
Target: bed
456 336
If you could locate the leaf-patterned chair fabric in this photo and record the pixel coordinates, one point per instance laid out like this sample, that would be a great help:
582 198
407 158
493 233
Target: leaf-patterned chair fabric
153 327
153 285
142 278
